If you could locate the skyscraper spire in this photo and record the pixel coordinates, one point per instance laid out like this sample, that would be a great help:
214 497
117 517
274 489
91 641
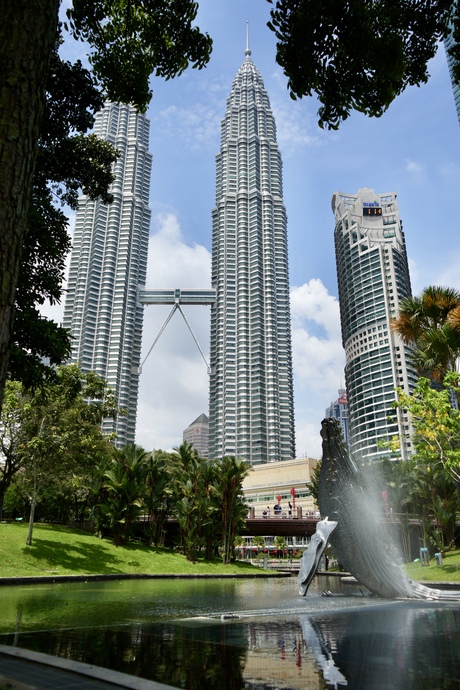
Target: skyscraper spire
247 51
251 397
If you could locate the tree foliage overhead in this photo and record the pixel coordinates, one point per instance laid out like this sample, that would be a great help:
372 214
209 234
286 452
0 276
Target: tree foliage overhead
132 39
68 160
357 54
129 40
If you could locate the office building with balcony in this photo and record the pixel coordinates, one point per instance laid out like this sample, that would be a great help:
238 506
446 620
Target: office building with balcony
373 278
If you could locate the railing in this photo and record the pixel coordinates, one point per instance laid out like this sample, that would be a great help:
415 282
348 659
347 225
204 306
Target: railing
297 513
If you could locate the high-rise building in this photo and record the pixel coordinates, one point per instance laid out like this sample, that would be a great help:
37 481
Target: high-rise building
109 263
197 433
448 43
373 278
251 396
339 410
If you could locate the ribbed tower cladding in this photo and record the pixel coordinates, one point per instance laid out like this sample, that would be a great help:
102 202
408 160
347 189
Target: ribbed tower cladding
373 278
109 263
251 394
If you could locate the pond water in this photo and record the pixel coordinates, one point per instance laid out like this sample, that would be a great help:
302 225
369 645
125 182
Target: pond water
171 631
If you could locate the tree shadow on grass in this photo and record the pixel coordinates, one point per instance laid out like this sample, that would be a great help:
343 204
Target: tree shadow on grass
77 558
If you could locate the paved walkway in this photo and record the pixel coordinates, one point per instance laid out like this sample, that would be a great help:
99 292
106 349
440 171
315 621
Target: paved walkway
27 670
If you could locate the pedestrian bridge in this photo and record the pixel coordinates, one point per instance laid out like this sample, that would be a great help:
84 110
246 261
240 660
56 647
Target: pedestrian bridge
281 526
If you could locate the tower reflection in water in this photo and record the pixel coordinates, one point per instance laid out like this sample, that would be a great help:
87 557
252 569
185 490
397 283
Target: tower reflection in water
386 645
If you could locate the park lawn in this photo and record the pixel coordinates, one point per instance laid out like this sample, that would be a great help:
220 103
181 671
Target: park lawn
449 571
59 550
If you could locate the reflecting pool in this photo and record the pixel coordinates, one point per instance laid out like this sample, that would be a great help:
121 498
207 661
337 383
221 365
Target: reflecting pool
172 631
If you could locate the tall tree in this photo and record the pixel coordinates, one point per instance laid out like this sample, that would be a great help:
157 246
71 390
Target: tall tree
27 35
436 423
67 160
430 324
359 54
11 436
61 430
195 509
159 491
228 492
130 39
125 484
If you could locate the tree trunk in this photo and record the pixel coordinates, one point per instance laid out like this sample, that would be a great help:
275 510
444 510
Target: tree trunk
33 502
27 34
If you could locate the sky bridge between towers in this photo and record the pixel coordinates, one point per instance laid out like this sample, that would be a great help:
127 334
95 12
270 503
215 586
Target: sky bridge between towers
177 297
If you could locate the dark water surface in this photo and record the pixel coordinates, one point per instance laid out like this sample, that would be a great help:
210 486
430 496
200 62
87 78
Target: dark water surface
171 631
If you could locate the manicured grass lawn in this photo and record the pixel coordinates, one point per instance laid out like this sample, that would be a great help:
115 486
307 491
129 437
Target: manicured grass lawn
448 572
58 550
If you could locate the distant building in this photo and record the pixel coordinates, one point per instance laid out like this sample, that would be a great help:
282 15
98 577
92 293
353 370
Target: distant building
339 410
373 278
267 481
198 435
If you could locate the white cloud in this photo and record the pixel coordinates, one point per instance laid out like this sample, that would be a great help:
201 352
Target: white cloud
413 167
318 360
308 440
173 387
195 121
296 128
311 301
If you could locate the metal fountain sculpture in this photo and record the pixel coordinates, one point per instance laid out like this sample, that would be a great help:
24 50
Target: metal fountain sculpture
353 525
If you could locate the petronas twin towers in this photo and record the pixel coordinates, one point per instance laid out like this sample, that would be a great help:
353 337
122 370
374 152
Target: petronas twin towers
251 397
251 400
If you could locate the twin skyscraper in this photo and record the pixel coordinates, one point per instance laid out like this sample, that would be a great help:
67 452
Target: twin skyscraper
251 411
251 394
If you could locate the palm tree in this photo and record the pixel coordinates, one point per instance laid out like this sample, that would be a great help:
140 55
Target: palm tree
431 324
195 509
229 491
125 485
159 490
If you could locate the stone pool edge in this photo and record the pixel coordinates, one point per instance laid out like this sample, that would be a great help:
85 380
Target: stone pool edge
37 579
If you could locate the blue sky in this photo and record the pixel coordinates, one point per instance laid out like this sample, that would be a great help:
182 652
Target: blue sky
412 150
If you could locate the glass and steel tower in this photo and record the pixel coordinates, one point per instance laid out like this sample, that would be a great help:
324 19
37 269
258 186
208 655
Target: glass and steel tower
251 395
373 277
109 263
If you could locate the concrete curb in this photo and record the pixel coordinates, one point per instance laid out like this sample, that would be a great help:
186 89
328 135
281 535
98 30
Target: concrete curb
115 678
49 579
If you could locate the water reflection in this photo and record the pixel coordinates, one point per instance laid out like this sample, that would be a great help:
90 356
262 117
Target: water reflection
173 633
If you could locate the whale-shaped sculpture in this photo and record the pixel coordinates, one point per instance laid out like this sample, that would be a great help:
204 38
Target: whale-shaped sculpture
362 542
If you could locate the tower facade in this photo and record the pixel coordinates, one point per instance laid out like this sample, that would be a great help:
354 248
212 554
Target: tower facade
373 278
251 394
108 265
